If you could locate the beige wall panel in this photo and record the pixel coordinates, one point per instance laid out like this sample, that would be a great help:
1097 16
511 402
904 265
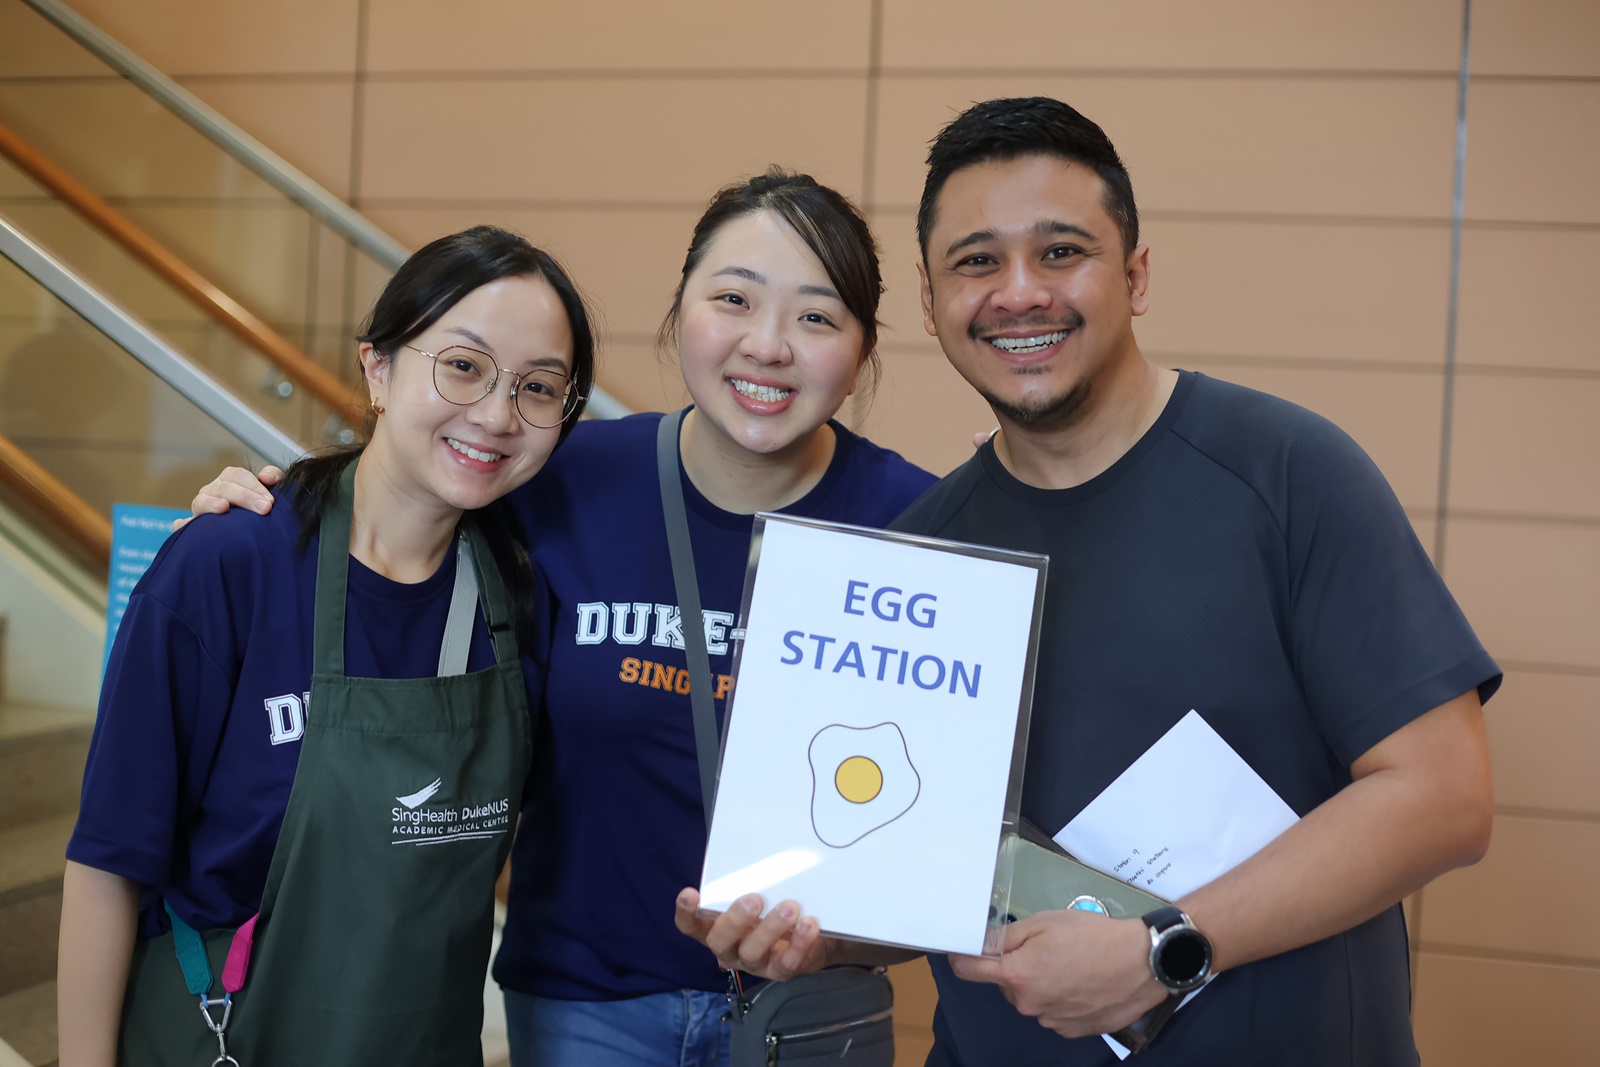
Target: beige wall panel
1528 298
1493 1013
1339 146
1393 415
1260 289
501 35
1527 445
1468 908
1342 292
1533 155
924 410
121 143
31 46
1544 734
1538 37
1530 589
637 141
307 123
900 309
232 36
633 373
1175 34
626 259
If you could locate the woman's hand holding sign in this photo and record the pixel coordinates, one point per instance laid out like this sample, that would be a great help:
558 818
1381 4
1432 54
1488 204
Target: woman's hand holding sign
784 944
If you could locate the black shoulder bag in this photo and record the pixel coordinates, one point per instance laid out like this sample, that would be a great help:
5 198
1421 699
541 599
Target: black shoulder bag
840 1013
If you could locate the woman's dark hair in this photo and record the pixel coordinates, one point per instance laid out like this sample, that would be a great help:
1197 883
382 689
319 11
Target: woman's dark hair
428 284
997 131
826 221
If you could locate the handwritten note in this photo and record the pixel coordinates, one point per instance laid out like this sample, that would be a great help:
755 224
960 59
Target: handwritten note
1186 812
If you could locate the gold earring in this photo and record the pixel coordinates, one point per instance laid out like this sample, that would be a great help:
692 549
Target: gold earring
377 408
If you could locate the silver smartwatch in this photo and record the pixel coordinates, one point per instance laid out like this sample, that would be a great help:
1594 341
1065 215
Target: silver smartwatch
1180 955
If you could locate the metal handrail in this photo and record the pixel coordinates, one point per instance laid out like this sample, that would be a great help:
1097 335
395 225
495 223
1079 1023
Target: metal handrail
267 164
228 312
237 418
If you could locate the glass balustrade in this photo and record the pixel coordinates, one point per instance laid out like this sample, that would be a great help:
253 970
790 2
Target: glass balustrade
95 417
271 254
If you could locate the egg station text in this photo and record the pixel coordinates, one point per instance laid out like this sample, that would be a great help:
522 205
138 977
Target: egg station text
877 662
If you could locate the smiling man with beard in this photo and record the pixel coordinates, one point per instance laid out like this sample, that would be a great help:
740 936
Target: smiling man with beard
1212 549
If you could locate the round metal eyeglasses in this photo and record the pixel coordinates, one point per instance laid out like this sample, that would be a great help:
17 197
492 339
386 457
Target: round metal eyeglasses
464 376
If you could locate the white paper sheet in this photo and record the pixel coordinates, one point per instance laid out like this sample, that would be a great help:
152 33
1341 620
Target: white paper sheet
1186 812
907 854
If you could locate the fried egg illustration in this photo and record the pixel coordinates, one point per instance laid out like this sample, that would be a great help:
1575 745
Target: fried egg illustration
861 780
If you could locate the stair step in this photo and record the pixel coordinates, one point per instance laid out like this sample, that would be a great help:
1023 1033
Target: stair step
42 752
19 719
32 859
33 853
28 1024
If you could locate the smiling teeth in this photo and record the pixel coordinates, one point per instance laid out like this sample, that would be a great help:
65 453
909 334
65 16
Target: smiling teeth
468 450
1025 345
766 393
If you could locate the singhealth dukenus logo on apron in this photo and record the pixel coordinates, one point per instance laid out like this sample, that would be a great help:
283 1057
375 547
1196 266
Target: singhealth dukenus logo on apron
416 822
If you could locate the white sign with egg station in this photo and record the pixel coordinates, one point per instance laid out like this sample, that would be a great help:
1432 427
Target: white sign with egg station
872 759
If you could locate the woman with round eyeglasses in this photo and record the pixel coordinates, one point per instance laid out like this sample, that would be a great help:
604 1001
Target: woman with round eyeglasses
774 322
314 731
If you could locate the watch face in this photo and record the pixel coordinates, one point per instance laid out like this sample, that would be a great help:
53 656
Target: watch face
1183 959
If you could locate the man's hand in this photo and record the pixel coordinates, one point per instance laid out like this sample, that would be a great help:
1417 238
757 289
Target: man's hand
1075 972
235 487
782 945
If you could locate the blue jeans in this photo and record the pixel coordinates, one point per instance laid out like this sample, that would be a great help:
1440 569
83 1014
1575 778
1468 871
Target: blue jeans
684 1028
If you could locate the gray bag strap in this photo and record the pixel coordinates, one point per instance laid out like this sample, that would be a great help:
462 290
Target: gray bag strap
691 618
458 623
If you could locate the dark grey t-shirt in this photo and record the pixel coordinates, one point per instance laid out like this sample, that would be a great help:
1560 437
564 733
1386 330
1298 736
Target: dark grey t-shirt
1244 559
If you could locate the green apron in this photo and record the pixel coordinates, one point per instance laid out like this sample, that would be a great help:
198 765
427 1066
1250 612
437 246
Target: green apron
373 936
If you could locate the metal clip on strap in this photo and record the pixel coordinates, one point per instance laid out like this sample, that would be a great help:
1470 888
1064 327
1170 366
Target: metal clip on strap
196 967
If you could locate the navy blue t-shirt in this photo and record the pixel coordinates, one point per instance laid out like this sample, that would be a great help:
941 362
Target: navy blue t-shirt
615 826
204 704
1244 559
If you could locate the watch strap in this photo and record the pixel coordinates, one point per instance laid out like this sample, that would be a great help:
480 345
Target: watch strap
1143 1030
1159 919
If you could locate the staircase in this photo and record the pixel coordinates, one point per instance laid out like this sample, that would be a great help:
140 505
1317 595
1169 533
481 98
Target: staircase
42 751
51 632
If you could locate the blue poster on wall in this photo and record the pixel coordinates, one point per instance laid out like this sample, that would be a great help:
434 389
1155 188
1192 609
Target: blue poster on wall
137 533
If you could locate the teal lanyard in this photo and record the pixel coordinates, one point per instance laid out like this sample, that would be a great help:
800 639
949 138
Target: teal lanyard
197 976
191 955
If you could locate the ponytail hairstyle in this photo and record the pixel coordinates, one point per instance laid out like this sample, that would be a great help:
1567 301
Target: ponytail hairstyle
428 284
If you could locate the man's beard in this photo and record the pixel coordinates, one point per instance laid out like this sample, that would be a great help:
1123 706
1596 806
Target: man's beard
1047 412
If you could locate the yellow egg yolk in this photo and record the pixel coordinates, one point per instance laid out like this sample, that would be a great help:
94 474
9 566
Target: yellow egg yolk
858 779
